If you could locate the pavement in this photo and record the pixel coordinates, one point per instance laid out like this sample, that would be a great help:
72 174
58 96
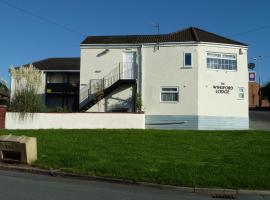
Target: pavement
259 120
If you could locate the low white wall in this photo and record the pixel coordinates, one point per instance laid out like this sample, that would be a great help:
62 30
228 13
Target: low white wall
75 121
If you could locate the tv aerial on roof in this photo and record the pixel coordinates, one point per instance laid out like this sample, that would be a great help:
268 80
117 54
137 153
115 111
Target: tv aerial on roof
156 25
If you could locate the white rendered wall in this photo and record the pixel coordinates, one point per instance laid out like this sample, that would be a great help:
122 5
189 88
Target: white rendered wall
96 66
165 67
211 103
120 98
75 121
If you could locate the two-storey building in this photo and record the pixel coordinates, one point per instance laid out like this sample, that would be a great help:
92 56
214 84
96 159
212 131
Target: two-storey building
189 79
60 83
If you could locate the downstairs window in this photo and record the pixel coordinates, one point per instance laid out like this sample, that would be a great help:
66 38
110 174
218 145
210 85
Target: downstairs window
169 94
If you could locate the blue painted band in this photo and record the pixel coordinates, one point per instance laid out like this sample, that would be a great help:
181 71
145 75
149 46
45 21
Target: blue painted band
194 122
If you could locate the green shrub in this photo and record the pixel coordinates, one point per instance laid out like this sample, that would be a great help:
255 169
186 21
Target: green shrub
24 101
25 98
138 103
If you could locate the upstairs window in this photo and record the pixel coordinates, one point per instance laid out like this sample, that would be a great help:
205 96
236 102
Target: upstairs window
221 61
187 59
169 94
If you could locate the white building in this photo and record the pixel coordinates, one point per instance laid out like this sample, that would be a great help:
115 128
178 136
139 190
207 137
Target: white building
59 83
189 79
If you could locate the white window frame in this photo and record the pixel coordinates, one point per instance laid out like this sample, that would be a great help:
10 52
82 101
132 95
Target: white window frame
241 91
184 59
219 55
174 92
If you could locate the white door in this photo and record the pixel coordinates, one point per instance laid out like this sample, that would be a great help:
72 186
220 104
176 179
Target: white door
128 65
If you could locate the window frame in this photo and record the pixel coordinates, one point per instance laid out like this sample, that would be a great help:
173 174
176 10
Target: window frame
176 92
222 57
184 59
241 92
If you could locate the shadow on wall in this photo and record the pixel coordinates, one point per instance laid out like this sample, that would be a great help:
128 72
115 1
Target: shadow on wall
120 105
120 100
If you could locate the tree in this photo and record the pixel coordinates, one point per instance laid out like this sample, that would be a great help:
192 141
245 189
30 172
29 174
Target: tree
266 91
27 82
4 92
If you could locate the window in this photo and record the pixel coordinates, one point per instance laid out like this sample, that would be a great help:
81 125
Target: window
187 59
169 94
241 93
221 61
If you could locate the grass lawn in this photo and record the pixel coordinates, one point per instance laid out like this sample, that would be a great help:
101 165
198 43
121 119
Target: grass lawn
228 159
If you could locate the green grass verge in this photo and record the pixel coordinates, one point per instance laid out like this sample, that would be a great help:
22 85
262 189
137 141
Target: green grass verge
227 159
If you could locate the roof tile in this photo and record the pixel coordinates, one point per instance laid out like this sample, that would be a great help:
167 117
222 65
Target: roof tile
190 34
57 64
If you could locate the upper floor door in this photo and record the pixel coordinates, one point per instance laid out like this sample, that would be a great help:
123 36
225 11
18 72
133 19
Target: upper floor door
129 64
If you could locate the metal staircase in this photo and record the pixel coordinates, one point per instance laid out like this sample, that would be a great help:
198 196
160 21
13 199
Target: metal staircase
97 89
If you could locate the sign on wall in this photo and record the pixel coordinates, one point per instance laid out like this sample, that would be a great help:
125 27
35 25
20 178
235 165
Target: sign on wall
222 88
252 76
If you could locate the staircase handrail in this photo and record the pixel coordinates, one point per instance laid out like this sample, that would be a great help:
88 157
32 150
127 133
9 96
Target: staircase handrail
108 80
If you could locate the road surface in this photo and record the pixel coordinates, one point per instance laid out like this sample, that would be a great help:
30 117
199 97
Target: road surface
259 120
24 186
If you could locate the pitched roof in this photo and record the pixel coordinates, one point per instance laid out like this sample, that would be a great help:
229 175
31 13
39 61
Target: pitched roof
57 64
191 34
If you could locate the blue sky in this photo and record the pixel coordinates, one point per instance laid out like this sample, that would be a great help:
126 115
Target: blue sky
25 38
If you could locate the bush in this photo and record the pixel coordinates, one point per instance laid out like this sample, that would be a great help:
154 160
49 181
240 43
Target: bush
138 103
25 100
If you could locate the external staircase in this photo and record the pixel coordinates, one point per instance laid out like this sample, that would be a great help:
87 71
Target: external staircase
125 74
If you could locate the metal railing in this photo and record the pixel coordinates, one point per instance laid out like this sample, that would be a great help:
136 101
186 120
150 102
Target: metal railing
67 88
124 71
84 95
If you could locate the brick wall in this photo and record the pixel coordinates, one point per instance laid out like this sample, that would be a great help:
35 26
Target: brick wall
254 96
2 116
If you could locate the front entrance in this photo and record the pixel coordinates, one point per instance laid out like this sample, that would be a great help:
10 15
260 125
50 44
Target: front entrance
129 60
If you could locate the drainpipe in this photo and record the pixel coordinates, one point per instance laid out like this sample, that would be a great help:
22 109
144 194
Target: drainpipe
139 84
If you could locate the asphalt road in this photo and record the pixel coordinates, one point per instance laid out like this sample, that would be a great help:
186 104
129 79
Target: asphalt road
259 120
25 186
14 185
